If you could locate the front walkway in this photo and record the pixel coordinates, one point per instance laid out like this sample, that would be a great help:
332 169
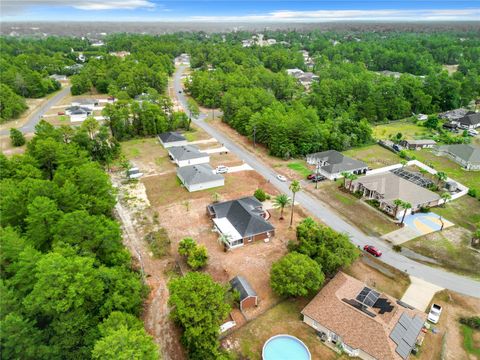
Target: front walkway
417 225
420 293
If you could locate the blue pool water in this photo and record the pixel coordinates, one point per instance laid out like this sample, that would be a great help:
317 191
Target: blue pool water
285 347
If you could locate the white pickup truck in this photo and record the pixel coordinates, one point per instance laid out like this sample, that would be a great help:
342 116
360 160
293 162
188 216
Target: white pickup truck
434 314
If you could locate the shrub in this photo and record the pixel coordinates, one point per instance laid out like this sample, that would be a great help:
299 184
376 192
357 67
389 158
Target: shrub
425 209
186 246
198 257
159 242
260 195
17 137
397 248
473 192
473 322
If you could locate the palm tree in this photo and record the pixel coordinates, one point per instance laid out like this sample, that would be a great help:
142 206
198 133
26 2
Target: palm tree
405 205
446 197
346 175
403 162
280 202
294 188
397 203
441 176
352 178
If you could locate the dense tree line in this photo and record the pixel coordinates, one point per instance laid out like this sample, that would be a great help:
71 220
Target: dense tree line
68 287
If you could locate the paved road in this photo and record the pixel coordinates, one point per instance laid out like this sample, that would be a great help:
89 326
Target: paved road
438 277
35 117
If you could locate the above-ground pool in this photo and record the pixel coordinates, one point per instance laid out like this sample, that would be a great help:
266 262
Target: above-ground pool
285 347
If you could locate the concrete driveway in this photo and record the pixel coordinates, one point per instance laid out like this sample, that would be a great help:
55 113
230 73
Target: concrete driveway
420 293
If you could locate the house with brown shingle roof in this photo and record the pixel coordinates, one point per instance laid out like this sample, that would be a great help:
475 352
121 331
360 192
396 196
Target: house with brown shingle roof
362 321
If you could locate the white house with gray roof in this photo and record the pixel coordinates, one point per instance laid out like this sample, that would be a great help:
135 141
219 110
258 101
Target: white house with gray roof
332 164
187 155
468 156
171 138
199 177
240 221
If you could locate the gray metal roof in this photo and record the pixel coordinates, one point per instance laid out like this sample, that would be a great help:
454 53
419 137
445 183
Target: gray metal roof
337 162
405 334
421 142
197 174
171 136
470 118
240 284
244 214
186 152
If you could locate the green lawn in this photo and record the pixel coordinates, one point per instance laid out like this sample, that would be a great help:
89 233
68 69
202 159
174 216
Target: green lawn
408 129
469 342
300 167
374 155
452 169
464 212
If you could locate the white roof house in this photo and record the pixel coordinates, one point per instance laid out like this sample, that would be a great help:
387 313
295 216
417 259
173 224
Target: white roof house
186 155
199 177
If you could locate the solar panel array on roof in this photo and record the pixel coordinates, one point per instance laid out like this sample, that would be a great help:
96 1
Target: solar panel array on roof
368 296
413 177
405 334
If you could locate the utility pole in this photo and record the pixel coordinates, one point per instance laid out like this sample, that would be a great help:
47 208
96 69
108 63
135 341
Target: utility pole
254 134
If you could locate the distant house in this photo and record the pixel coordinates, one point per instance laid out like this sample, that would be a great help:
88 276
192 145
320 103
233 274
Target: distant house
186 155
120 54
78 113
453 114
451 126
248 297
304 78
169 139
418 144
85 103
199 177
471 120
240 221
363 322
386 187
332 163
58 77
465 155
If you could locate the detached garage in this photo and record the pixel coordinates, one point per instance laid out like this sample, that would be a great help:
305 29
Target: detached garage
199 177
248 297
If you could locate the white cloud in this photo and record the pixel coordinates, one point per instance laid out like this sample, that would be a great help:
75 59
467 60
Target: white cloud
17 7
350 15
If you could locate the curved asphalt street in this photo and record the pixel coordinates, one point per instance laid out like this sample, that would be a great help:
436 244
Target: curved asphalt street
35 118
435 276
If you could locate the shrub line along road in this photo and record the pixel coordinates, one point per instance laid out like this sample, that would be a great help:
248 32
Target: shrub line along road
435 276
34 119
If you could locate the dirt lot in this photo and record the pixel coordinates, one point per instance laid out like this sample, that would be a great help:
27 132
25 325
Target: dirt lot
454 306
8 149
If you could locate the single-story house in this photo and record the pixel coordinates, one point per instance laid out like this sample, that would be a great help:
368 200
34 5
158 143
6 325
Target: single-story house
465 155
186 155
85 103
363 322
471 120
248 297
453 114
199 177
240 221
78 113
418 144
171 138
451 126
386 187
332 163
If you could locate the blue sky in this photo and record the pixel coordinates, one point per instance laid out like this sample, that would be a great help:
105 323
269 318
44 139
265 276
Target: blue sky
238 11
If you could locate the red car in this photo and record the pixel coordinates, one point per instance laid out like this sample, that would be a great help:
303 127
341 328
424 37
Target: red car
61 113
372 250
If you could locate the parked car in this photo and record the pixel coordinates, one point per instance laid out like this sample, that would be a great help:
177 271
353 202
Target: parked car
434 314
179 91
221 169
472 132
318 178
61 113
281 178
372 250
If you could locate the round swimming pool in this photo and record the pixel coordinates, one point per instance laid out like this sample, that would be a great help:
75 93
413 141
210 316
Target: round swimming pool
285 347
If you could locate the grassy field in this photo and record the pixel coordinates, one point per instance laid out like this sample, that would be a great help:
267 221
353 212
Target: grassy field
464 212
283 318
471 340
374 155
452 169
450 248
300 168
408 129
